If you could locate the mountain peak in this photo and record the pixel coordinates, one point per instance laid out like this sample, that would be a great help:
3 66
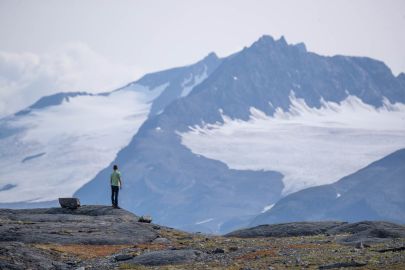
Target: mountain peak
210 59
211 56
282 41
267 41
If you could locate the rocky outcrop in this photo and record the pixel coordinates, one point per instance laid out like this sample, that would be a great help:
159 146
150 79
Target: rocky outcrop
287 229
369 231
101 237
18 256
101 225
359 232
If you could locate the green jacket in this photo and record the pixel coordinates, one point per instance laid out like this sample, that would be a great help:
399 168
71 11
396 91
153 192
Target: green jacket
115 178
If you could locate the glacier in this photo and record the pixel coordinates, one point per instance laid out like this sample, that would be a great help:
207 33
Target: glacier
62 147
309 146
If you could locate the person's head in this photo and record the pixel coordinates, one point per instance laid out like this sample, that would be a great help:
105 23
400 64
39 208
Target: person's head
115 167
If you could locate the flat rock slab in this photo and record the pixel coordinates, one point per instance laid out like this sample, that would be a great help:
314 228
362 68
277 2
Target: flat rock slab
97 225
165 257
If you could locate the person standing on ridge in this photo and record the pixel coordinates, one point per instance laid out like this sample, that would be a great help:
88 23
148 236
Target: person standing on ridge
116 184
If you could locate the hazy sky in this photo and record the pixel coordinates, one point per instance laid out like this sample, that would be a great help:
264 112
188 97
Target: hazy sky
96 45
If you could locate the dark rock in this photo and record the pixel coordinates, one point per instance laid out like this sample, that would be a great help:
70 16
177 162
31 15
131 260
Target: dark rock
286 229
167 257
71 203
232 249
343 264
218 251
123 257
397 249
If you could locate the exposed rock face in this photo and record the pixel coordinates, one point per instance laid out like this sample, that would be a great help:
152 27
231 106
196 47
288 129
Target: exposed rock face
287 229
369 231
167 257
85 225
360 232
71 203
20 254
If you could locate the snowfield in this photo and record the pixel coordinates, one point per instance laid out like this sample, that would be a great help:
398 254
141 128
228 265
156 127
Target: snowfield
309 146
191 82
60 148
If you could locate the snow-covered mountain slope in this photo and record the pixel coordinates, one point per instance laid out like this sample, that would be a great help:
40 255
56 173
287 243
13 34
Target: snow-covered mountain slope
187 190
181 81
57 149
375 192
309 146
58 144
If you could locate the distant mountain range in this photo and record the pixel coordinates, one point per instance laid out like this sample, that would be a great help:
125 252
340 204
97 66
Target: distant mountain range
209 146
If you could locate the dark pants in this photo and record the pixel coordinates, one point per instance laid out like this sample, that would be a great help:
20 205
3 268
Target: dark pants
114 195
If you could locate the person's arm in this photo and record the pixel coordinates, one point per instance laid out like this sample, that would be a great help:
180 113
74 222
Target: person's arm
119 179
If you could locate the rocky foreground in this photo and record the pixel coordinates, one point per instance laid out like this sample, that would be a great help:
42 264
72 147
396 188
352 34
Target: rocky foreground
100 237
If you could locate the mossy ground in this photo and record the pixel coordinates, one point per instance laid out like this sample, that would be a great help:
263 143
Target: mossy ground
306 252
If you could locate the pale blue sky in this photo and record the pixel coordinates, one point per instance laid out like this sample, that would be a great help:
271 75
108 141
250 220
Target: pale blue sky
97 45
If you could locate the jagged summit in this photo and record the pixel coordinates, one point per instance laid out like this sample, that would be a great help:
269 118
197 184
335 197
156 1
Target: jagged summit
267 41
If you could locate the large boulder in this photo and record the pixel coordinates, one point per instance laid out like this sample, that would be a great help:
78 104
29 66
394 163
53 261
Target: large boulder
71 203
164 257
